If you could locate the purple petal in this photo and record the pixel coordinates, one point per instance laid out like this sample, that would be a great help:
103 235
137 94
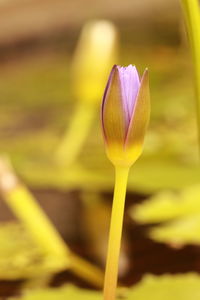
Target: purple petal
140 116
130 84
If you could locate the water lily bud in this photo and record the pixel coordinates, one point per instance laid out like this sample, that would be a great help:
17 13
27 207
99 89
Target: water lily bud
125 114
95 54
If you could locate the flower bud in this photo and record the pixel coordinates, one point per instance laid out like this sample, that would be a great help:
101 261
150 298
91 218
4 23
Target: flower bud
125 114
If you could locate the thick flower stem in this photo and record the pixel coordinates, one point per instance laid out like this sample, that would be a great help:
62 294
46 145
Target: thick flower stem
110 281
191 12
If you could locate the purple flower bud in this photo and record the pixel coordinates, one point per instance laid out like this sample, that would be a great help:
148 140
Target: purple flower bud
125 114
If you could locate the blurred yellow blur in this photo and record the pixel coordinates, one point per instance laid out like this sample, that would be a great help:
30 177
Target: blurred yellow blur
94 57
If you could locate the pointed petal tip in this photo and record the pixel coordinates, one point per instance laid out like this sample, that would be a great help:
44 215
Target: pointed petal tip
146 71
145 75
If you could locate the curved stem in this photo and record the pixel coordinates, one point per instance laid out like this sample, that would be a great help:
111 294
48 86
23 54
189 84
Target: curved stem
192 18
110 281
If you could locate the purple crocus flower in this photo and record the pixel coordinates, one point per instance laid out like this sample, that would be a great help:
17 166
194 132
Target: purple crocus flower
125 114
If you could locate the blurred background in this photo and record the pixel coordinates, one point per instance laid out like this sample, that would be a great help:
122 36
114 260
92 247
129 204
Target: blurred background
51 85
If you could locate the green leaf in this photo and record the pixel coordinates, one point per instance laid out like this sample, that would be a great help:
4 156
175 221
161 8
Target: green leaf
178 214
167 287
168 205
178 233
63 293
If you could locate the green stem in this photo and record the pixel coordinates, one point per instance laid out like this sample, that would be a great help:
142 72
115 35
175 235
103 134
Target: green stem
192 18
24 206
111 274
86 270
75 136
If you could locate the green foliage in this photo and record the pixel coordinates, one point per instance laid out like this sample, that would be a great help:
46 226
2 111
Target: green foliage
177 212
37 107
167 287
27 85
179 287
183 231
19 255
63 293
168 205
